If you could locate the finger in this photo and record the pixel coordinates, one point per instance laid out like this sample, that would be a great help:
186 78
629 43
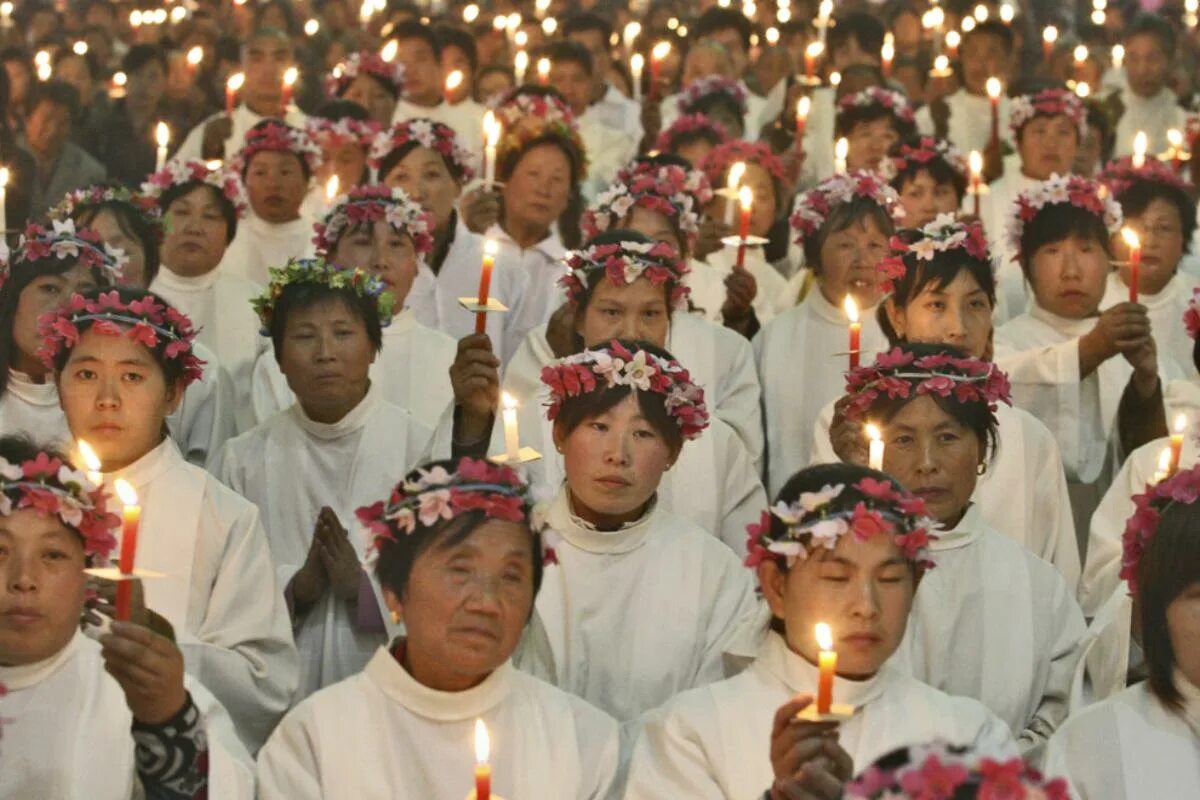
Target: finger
135 675
475 341
820 782
788 711
843 764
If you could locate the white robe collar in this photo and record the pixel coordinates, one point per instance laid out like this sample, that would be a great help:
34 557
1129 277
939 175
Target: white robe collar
964 533
586 537
1168 295
393 680
551 247
1064 325
187 283
829 312
353 422
26 675
800 676
35 394
151 465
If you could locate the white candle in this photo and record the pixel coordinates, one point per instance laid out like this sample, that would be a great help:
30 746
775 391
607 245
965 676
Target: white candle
840 151
3 199
636 64
162 135
512 439
1140 145
731 186
875 456
491 133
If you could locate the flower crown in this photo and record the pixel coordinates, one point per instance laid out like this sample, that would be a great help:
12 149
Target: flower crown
945 234
99 194
927 149
50 486
436 495
1149 506
338 132
369 204
814 207
64 241
147 321
625 262
878 97
669 189
1062 190
900 374
1047 103
178 173
321 272
1191 317
278 137
689 123
717 163
938 771
434 135
364 62
518 136
711 84
516 106
887 509
1119 175
597 370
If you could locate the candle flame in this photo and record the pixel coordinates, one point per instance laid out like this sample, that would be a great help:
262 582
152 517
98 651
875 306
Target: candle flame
289 76
994 88
1180 422
1083 90
162 134
80 48
842 148
1007 13
735 175
1081 54
1131 238
888 51
981 13
803 107
835 79
636 64
941 63
1118 55
521 61
235 81
632 31
1141 143
772 36
490 247
814 50
1164 462
454 80
195 55
873 432
1175 138
119 79
508 401
3 177
851 308
388 53
549 26
660 51
824 636
953 40
746 197
215 164
1050 34
88 456
311 27
976 162
331 188
126 492
482 745
470 13
491 128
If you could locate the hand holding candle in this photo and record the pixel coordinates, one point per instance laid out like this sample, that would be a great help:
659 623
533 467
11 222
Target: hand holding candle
483 770
827 664
131 517
851 309
1135 261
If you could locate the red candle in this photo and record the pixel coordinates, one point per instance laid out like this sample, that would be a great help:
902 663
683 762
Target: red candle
993 90
811 54
131 516
803 106
976 164
485 283
1135 261
232 87
657 55
483 771
1049 37
746 197
827 663
855 330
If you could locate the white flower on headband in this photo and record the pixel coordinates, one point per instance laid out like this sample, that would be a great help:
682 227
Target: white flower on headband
1062 190
1048 102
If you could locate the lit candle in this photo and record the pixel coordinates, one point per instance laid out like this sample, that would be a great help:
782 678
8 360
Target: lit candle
657 56
289 83
388 53
994 90
1081 57
875 447
631 32
1141 144
1175 149
811 54
543 71
941 67
162 135
485 283
975 161
232 87
1118 56
1049 37
491 133
803 107
1135 261
512 439
953 40
311 27
483 772
3 200
827 663
91 461
824 12
453 81
131 515
6 10
1164 466
1007 14
731 189
331 190
194 57
840 152
1177 443
520 65
851 309
746 196
888 53
1082 90
636 64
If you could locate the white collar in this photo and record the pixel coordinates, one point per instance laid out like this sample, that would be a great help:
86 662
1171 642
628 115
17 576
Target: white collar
551 247
393 679
354 420
799 676
1165 297
829 312
1064 325
278 230
35 394
1131 99
26 675
187 283
964 533
586 537
403 323
162 458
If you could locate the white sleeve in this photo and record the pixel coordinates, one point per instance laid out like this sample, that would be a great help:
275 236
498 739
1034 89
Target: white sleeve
1046 383
670 762
289 764
738 398
744 495
1052 505
205 417
1101 572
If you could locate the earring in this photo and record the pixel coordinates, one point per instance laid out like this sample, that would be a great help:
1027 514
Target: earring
395 617
981 469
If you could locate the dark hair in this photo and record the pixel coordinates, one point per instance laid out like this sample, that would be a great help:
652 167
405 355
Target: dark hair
304 168
142 54
396 155
593 277
569 51
865 29
840 218
450 36
1169 565
285 8
938 169
261 32
58 92
228 209
994 28
1097 118
1138 197
584 22
412 29
1145 24
134 223
397 556
848 119
1057 223
507 162
720 19
488 69
19 448
89 60
687 137
303 296
337 109
712 104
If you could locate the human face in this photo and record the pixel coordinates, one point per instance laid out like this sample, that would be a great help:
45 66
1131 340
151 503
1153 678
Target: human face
378 102
326 357
1047 146
453 58
762 210
596 44
382 251
73 69
869 142
466 605
984 57
731 40
614 463
570 78
934 456
848 261
44 293
636 312
18 80
47 128
41 562
1146 65
492 84
695 151
1161 235
1068 276
537 192
923 199
116 397
422 72
264 59
850 54
655 225
862 589
106 224
424 176
275 184
348 161
703 62
146 87
1183 628
957 314
196 233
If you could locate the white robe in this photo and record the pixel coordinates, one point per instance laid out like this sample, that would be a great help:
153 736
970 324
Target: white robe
970 123
1109 652
219 591
988 600
543 266
260 246
995 210
381 734
1130 747
67 733
714 743
1165 310
604 610
802 359
752 121
608 149
243 120
620 112
1154 115
344 465
772 297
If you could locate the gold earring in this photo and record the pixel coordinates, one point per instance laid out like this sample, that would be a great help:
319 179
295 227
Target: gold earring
981 469
395 617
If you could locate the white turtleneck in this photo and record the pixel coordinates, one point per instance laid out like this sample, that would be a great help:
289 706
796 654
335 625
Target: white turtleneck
1165 309
260 246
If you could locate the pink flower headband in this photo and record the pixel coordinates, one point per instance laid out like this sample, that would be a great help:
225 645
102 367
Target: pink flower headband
814 207
64 241
515 107
435 136
816 521
722 157
98 194
1149 506
1191 317
625 262
601 369
711 84
939 772
338 132
1047 103
1059 190
52 487
1119 175
901 375
364 62
876 96
371 204
944 235
147 321
278 137
908 157
689 123
178 173
517 137
669 189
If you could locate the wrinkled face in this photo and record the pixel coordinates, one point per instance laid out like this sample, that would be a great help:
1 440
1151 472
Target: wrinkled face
264 60
1047 146
382 251
923 199
848 263
45 293
275 184
422 71
1147 65
862 589
41 564
1068 276
47 128
1183 627
537 192
368 93
107 225
637 311
326 356
958 314
869 142
984 57
576 85
1161 235
348 161
196 233
424 177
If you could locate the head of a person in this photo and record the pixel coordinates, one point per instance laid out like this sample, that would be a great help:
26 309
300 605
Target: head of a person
118 380
345 132
56 524
1047 128
266 55
145 68
958 772
731 29
1150 43
872 121
493 81
78 69
720 99
419 51
1061 230
18 67
929 175
459 54
541 162
571 72
987 51
460 564
381 231
276 163
366 79
937 435
51 110
845 546
844 226
1098 141
764 174
127 221
326 327
856 39
692 137
595 33
200 205
428 161
621 414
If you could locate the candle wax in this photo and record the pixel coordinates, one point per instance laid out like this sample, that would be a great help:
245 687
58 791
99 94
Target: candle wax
855 336
827 661
483 782
1176 445
485 283
1135 269
131 516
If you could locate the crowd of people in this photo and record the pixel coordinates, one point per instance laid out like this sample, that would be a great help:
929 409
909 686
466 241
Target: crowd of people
599 400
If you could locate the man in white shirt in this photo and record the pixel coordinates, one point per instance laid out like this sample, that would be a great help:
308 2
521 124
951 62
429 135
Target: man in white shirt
1146 102
607 103
420 51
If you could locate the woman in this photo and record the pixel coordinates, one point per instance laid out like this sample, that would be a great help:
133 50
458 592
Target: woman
460 566
692 137
723 100
843 545
844 226
162 733
990 597
367 79
1143 741
930 176
872 122
125 220
622 414
122 360
345 135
